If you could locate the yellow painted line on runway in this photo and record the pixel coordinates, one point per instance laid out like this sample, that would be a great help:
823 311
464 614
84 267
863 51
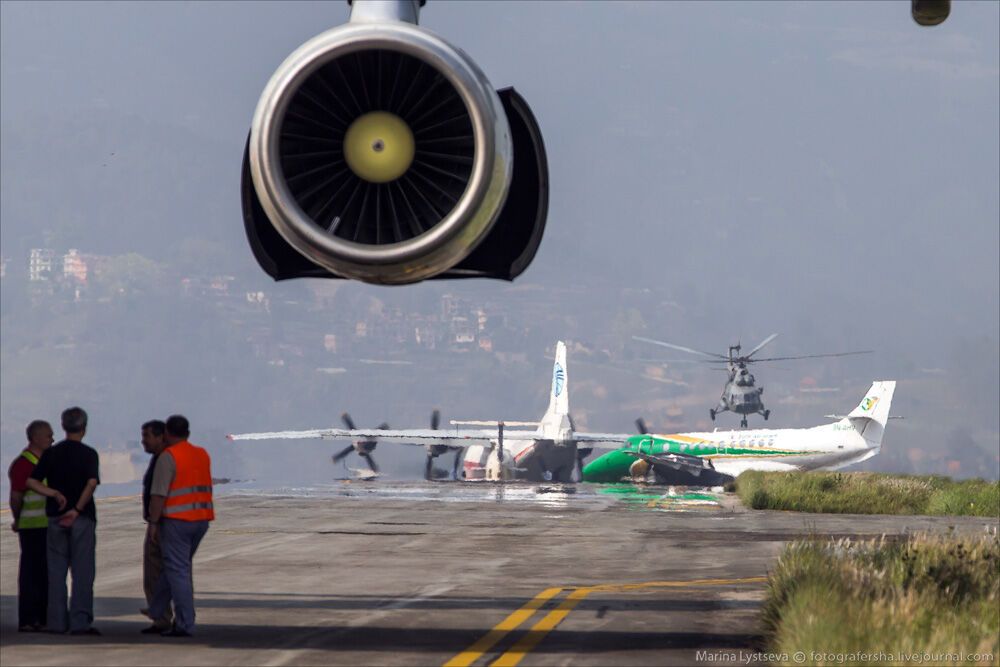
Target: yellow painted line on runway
623 588
499 631
538 631
551 620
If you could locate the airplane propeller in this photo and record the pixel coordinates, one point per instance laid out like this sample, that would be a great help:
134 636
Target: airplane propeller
435 450
364 448
428 468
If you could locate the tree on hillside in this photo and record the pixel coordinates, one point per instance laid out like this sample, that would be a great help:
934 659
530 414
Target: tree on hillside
130 273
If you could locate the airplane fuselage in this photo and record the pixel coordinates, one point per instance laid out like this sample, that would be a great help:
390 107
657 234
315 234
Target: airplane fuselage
533 460
732 452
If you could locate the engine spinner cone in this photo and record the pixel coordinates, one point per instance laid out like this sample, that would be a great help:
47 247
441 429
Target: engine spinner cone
379 147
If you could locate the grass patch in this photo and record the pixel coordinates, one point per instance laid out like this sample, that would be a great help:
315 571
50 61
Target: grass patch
933 595
867 493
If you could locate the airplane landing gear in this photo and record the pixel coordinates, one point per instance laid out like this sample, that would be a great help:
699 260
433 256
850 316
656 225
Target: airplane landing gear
743 423
767 413
711 413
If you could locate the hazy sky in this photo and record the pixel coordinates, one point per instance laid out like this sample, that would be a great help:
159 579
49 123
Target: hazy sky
827 168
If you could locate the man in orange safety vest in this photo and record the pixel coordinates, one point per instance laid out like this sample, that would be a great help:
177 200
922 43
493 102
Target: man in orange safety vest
180 508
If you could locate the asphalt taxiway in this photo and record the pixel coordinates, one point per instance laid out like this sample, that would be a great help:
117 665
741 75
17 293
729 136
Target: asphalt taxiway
460 574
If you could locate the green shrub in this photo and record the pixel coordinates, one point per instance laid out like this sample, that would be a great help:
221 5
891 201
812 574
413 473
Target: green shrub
935 595
868 493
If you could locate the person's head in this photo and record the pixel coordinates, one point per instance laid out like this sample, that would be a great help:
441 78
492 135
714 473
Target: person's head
74 422
152 436
177 429
39 435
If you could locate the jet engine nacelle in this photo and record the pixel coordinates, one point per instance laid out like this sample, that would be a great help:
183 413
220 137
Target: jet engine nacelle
380 152
930 12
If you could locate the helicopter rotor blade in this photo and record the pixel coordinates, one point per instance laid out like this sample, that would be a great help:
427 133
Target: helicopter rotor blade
762 344
815 356
679 347
681 361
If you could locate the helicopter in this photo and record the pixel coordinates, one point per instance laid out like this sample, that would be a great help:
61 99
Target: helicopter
741 394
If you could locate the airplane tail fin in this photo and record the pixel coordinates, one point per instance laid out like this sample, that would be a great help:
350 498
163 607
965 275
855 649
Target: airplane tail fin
559 393
557 416
871 415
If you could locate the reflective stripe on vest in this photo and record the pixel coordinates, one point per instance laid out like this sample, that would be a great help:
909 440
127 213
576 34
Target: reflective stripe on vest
190 494
33 508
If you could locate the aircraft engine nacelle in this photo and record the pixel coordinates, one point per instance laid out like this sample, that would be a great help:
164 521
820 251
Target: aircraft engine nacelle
380 152
930 12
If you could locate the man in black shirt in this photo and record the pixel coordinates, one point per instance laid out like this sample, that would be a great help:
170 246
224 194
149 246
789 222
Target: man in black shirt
71 470
152 555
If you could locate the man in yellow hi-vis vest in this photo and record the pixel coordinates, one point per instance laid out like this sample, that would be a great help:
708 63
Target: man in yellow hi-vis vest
31 526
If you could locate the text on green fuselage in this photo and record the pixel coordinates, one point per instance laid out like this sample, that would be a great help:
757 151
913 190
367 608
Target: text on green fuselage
756 446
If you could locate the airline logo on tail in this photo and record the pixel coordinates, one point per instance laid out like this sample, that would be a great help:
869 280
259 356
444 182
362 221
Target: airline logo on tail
558 379
869 403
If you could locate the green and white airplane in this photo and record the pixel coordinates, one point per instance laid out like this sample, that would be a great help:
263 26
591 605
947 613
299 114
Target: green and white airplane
710 458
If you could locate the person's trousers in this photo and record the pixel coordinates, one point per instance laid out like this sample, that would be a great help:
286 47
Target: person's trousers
152 569
71 550
179 541
32 577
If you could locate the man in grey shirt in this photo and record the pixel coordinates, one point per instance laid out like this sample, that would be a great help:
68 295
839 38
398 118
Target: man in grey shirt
180 509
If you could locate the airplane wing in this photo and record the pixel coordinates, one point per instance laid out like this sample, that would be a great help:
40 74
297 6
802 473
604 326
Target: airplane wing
615 439
685 462
403 435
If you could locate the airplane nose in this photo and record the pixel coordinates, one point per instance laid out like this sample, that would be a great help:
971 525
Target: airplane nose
594 467
601 469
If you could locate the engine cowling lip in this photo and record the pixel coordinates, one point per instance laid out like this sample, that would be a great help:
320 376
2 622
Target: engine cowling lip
450 240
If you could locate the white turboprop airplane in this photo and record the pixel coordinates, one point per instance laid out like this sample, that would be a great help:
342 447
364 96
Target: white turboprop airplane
548 453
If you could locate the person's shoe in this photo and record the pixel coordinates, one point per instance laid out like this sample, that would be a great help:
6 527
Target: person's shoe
144 611
28 628
88 631
154 630
174 632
